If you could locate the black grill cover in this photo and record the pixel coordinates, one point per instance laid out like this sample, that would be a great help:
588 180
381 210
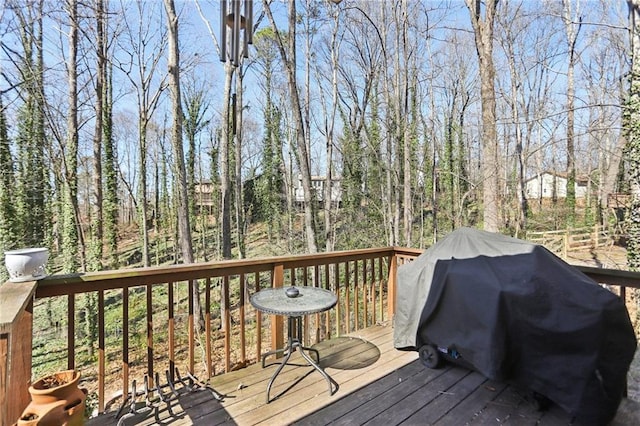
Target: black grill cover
517 313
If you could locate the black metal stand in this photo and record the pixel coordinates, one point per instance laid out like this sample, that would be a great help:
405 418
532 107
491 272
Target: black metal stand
190 384
294 336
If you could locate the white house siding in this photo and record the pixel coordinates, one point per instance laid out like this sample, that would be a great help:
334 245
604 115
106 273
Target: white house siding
541 186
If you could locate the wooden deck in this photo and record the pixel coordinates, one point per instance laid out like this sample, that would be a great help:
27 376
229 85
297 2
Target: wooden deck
378 386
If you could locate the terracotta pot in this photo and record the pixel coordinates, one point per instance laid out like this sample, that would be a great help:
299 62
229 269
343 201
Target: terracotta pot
53 404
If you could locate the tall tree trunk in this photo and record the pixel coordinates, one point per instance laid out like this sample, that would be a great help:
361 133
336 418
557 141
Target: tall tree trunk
110 173
225 174
184 229
33 220
483 30
72 244
101 74
572 36
330 124
142 186
515 81
238 190
8 220
405 115
631 123
302 153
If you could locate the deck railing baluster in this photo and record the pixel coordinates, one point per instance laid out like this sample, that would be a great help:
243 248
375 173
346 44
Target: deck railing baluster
380 294
365 297
243 341
171 330
191 328
347 297
258 321
316 283
71 331
327 314
277 322
101 352
149 296
227 324
336 283
356 295
207 326
125 341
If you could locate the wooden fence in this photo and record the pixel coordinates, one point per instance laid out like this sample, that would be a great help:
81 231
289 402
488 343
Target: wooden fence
563 241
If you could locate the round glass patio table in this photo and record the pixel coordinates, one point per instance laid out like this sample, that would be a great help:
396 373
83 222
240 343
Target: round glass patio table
294 303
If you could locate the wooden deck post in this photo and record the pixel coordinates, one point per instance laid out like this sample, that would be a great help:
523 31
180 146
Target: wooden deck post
277 322
16 335
391 284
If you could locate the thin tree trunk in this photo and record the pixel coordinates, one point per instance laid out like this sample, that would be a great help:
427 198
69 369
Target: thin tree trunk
142 188
302 153
110 174
97 222
184 229
572 36
405 115
328 190
73 242
632 123
483 30
225 175
238 190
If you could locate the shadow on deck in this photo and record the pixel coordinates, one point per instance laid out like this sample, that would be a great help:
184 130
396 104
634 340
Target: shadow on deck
378 386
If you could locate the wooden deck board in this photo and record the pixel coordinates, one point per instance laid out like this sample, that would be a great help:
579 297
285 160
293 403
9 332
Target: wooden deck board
447 400
379 385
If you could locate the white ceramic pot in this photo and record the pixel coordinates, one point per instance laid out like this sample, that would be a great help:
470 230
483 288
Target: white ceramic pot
26 264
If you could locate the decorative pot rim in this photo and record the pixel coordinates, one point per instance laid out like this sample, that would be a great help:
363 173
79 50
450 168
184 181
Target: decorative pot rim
37 388
28 250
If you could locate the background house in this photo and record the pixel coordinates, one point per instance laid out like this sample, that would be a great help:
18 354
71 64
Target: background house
542 186
317 183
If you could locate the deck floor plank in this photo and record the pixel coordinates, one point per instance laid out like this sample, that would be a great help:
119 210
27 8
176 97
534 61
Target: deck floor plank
379 385
364 398
467 409
447 400
252 394
391 396
510 406
425 394
307 399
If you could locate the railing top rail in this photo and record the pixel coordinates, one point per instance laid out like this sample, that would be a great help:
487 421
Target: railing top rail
58 285
611 276
405 251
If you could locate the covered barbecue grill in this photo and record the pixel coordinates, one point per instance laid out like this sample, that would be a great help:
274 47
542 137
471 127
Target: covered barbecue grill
515 312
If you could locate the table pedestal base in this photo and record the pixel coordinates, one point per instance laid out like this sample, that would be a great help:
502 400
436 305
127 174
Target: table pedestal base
293 343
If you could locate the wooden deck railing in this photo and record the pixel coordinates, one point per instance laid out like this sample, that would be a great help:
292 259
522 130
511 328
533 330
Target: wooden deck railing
145 321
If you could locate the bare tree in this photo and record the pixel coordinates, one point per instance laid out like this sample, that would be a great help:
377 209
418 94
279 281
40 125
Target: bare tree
139 62
483 25
184 228
73 241
569 18
632 149
288 56
100 91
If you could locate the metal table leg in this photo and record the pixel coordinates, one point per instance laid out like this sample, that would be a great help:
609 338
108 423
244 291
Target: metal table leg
293 343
